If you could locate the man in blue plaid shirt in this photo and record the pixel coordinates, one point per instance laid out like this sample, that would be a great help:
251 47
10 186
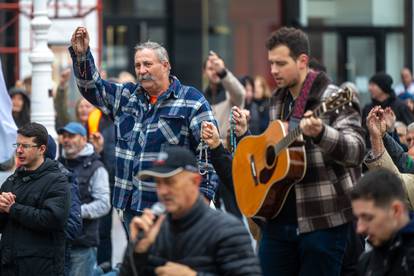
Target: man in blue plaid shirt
149 116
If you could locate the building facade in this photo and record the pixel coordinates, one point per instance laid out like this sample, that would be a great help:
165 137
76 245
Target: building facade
352 38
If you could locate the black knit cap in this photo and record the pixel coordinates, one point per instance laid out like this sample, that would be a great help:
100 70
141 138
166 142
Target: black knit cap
384 81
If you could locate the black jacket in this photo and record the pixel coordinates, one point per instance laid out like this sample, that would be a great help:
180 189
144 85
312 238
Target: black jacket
396 258
222 164
33 237
208 241
259 115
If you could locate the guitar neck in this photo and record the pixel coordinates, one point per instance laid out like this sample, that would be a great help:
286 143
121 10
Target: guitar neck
288 140
296 132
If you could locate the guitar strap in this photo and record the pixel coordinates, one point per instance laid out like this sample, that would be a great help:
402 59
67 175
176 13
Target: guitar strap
300 103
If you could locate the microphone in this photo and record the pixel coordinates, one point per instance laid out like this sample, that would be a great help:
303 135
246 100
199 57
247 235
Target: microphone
157 209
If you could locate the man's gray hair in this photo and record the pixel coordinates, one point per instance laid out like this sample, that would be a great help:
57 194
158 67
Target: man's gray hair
410 127
160 51
399 124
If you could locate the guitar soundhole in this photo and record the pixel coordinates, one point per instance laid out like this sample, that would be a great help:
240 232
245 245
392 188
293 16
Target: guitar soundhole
271 160
270 156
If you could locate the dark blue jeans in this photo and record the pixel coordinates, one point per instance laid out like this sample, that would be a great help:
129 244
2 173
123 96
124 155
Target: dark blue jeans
283 251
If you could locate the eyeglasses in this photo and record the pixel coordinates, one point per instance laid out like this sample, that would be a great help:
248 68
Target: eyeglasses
24 146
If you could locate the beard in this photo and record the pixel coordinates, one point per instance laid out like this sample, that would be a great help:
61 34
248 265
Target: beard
288 85
70 150
293 83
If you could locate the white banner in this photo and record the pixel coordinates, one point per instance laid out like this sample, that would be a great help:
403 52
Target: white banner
8 129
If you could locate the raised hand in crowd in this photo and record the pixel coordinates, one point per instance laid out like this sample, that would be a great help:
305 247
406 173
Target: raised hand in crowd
376 122
97 140
240 118
80 40
216 62
377 127
390 118
151 229
6 201
65 77
210 135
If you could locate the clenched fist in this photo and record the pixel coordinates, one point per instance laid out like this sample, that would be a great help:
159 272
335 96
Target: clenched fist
80 40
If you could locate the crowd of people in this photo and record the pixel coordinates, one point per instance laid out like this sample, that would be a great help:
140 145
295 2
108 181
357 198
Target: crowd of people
135 143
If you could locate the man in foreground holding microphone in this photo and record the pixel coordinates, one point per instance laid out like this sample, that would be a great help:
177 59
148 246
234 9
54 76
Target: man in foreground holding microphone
191 238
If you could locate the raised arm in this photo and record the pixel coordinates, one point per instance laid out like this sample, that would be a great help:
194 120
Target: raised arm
230 82
383 141
103 94
384 161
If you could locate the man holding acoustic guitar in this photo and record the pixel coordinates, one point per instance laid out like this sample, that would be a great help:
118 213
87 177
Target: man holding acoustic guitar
296 176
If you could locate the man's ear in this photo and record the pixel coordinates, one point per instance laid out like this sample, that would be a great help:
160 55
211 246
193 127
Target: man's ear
303 61
166 65
42 149
398 208
197 179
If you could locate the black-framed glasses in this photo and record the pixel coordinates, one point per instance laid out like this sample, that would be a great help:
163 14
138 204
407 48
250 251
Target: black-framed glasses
24 146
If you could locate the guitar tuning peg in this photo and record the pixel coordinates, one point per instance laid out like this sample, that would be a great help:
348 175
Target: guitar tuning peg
337 111
350 104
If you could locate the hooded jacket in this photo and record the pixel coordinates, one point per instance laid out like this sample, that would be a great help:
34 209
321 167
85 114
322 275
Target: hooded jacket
23 117
33 238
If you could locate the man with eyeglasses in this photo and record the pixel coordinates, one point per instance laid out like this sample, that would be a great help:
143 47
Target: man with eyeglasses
34 208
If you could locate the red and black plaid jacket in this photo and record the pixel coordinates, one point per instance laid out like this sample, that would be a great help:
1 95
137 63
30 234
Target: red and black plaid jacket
322 195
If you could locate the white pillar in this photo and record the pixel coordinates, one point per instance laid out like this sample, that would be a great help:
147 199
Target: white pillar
41 57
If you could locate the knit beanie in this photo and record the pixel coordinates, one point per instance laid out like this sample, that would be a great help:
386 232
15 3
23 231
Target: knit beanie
384 81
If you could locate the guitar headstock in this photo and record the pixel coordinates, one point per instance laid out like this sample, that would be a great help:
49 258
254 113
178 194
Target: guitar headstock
337 100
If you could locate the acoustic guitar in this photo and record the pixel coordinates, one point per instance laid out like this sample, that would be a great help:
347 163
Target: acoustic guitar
266 166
